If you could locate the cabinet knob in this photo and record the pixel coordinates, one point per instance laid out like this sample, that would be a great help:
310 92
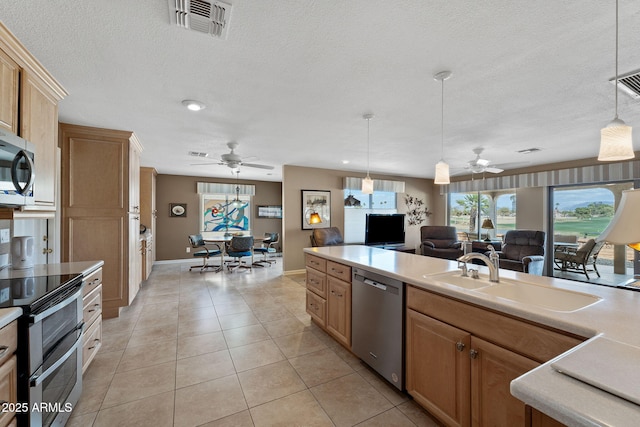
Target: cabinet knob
473 354
460 346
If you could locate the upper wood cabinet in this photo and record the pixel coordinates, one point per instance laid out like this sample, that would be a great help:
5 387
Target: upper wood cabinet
29 98
9 79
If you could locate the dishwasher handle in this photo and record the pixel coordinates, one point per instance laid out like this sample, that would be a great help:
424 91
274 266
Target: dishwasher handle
375 284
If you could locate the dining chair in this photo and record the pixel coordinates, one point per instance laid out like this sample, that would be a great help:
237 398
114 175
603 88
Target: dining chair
204 252
240 247
267 247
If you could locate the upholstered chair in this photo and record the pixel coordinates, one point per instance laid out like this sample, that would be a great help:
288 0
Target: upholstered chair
330 236
523 250
440 241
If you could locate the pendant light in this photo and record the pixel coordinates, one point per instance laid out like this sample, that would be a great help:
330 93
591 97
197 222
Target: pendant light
442 168
367 182
237 202
616 142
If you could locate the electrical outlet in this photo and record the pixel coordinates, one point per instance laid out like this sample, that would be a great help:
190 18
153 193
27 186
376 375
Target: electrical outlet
188 249
5 235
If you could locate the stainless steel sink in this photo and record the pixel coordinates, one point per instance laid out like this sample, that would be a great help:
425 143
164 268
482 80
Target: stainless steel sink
542 296
455 278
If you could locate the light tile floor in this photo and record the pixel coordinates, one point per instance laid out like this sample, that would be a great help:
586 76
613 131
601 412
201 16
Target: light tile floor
230 349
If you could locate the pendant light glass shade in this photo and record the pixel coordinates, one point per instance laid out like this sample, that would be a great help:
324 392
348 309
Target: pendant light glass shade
367 182
367 185
624 228
442 173
616 142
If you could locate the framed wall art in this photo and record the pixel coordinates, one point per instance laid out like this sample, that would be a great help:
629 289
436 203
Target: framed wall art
178 209
316 209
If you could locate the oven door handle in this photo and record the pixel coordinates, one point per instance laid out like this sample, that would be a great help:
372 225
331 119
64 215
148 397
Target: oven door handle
36 380
35 318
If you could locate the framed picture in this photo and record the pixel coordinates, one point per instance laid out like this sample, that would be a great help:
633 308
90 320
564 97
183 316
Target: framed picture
316 209
178 209
223 213
270 211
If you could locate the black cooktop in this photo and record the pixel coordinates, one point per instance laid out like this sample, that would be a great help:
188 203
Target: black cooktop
33 292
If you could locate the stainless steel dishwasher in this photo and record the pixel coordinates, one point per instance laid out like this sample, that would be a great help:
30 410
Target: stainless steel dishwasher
377 322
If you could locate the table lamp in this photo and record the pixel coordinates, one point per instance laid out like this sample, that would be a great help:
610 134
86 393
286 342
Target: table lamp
487 224
624 228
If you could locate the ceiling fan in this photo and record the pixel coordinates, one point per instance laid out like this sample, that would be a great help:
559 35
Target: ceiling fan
234 161
480 165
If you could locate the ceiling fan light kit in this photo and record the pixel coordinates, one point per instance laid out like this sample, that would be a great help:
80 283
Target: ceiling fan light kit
616 142
442 168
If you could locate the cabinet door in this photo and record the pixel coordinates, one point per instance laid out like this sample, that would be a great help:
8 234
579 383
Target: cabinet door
339 310
538 419
438 368
9 75
39 125
492 370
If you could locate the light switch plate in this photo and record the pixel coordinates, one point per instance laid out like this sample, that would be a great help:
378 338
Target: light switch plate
5 235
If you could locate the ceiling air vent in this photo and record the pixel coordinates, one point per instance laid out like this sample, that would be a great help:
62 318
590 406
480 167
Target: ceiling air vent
205 16
198 154
629 84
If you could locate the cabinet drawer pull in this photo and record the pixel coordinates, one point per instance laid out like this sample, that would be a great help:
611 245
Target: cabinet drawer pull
459 346
95 342
95 308
3 350
473 353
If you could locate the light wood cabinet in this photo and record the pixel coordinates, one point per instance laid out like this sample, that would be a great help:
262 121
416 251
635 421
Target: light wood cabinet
8 370
9 80
148 216
29 98
329 296
461 359
100 208
92 317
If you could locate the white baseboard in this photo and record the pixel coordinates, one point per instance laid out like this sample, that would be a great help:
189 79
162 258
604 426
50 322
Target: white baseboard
292 272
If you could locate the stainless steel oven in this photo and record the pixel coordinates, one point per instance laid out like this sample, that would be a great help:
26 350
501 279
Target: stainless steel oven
49 346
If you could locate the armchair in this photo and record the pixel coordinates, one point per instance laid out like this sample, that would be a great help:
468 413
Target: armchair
440 241
330 236
523 250
576 259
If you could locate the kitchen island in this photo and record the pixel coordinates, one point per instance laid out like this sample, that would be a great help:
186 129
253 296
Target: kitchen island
610 314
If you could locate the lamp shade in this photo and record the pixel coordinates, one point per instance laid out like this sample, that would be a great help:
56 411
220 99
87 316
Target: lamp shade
487 224
624 228
314 218
442 173
367 185
616 142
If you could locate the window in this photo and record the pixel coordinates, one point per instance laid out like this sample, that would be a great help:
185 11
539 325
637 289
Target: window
467 212
358 205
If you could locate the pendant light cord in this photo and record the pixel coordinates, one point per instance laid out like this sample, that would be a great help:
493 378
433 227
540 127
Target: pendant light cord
442 122
368 144
616 85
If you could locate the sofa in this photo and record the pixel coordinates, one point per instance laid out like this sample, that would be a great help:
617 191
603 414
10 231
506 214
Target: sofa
523 250
440 241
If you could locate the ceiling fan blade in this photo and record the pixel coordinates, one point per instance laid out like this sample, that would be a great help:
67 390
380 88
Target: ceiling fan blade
207 164
254 165
511 165
492 169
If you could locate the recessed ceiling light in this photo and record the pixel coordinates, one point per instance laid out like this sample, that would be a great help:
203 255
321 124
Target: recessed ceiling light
344 162
193 105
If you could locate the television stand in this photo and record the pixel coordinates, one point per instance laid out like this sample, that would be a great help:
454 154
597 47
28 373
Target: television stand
398 248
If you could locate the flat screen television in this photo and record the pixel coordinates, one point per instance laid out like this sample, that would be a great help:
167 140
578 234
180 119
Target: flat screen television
384 229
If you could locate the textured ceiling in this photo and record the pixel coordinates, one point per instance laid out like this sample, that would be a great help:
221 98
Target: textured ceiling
292 80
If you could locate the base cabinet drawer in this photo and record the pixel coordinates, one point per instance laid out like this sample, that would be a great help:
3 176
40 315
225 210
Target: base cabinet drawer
317 282
92 341
92 306
92 281
317 308
8 388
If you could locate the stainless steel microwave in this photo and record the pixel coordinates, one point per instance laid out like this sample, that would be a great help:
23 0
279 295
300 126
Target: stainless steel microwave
17 170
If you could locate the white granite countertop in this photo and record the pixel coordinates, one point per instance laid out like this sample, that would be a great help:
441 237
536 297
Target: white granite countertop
8 315
79 267
570 401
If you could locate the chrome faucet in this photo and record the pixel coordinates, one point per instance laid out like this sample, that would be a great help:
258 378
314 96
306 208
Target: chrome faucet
492 261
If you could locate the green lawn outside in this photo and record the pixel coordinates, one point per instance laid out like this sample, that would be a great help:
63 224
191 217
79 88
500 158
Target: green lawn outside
582 228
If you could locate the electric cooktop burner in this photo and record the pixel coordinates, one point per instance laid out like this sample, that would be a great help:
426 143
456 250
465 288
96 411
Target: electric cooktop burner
34 291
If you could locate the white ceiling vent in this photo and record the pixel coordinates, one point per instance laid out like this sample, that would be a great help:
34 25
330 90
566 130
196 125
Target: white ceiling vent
198 154
629 83
205 16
